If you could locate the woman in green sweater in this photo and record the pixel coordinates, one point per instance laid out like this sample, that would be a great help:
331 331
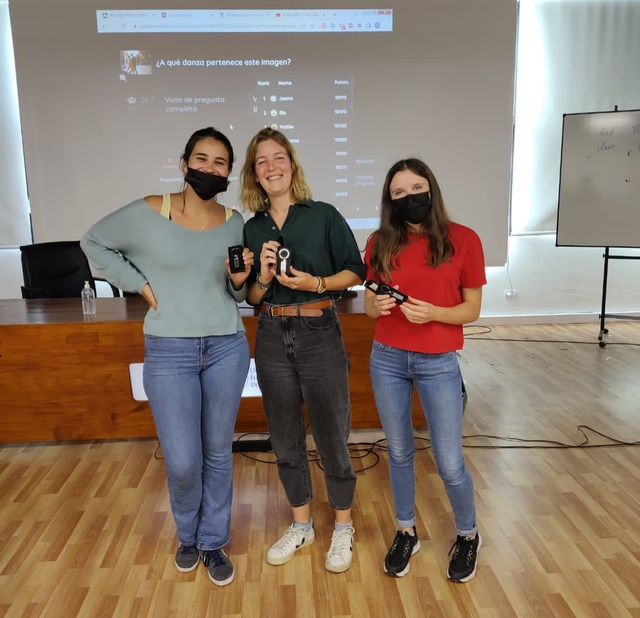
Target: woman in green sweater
172 250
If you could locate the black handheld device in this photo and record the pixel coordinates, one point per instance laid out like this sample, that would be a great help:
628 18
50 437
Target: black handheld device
236 263
283 265
382 288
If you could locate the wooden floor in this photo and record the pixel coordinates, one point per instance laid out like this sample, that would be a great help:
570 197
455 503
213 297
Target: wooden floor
86 530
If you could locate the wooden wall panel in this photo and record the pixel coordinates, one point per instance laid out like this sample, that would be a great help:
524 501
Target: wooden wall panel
63 378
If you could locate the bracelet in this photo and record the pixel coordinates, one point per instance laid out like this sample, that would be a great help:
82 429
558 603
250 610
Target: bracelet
263 286
322 285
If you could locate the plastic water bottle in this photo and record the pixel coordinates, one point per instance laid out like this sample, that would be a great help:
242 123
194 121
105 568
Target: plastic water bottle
88 300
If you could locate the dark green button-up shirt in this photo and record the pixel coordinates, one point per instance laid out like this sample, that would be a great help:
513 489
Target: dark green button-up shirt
321 244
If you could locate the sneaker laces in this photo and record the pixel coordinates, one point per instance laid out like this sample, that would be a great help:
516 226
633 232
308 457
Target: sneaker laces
462 550
213 555
405 539
291 535
340 542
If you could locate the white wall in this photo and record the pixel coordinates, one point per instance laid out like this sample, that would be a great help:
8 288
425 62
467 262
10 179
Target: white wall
559 284
553 284
10 273
15 228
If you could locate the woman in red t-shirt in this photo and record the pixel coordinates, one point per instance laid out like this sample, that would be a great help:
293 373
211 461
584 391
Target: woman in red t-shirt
438 268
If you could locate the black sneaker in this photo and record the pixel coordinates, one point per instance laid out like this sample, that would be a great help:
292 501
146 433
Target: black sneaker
462 567
396 562
187 558
219 566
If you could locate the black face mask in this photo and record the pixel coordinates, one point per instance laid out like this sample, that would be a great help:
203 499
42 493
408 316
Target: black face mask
205 185
413 208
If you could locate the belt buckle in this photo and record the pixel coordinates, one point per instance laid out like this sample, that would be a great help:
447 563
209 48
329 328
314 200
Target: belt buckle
270 312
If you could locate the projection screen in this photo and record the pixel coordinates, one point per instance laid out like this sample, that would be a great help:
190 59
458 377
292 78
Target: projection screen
109 95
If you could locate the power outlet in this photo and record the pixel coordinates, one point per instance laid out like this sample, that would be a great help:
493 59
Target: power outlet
509 293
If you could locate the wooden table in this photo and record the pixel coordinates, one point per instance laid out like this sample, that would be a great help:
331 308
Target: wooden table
64 377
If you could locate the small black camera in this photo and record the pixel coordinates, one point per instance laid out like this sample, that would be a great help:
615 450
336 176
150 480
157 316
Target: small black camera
382 288
236 263
283 265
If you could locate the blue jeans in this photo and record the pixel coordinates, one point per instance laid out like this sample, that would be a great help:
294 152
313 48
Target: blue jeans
439 384
194 385
304 359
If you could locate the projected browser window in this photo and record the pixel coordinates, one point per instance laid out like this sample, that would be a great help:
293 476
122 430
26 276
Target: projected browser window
254 72
109 97
205 20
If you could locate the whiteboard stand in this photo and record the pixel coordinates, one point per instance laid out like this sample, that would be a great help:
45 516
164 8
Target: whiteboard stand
598 192
603 311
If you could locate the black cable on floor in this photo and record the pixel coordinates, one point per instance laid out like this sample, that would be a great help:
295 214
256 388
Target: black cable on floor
361 450
485 330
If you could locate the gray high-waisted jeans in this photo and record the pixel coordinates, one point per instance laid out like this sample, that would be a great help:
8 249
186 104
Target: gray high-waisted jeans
304 358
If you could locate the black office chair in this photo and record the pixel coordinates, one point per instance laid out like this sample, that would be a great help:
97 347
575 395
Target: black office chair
56 270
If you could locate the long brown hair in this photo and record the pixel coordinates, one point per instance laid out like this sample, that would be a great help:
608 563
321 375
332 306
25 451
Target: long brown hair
393 233
252 195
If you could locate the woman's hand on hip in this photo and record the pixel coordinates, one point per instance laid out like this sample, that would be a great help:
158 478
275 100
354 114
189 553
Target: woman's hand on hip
149 296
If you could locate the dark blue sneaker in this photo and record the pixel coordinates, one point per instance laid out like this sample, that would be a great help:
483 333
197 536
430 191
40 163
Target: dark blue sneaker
187 558
462 567
219 566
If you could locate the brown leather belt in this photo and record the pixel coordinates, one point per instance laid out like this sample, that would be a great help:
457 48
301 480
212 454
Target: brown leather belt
293 311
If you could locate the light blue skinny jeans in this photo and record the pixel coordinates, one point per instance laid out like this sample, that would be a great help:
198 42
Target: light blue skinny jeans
194 386
439 384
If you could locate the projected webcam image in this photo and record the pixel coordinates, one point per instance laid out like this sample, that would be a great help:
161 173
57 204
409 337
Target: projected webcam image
135 62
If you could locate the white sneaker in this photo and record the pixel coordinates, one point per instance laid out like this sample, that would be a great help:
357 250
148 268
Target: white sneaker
340 552
289 543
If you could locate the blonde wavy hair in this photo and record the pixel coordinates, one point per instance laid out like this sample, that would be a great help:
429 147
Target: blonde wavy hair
252 195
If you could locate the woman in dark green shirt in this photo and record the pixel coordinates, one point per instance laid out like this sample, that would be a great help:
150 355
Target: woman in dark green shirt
306 254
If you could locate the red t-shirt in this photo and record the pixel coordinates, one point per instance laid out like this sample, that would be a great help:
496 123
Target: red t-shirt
440 286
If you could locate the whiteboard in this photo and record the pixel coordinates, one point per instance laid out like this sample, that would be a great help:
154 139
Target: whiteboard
599 196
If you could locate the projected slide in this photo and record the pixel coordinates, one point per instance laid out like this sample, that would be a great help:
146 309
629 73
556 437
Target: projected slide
315 108
109 96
